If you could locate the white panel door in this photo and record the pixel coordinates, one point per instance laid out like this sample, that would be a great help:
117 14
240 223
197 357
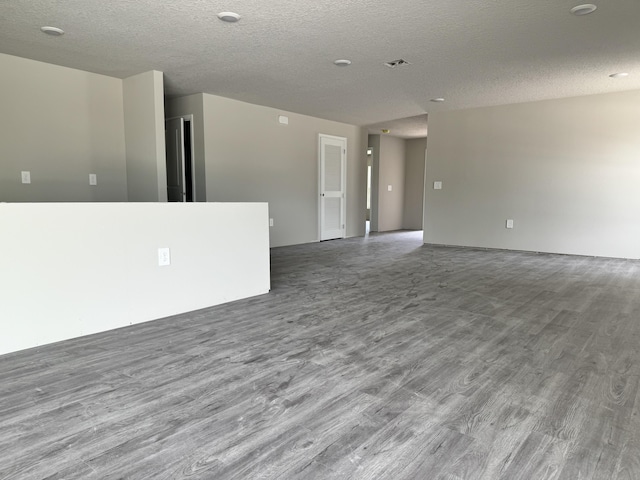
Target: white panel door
332 160
174 138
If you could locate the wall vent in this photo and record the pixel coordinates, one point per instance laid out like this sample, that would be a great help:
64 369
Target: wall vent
397 63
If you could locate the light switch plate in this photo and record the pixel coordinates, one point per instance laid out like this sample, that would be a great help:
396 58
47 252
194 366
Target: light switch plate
509 223
164 257
26 177
271 222
93 179
389 188
437 185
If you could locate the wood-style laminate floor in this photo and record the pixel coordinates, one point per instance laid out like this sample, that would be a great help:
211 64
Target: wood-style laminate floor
375 358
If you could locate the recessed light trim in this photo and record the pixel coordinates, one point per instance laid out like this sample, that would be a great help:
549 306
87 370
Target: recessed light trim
229 17
437 100
385 130
585 9
619 75
342 62
53 31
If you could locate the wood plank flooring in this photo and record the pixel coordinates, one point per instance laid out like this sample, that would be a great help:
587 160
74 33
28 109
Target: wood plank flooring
372 358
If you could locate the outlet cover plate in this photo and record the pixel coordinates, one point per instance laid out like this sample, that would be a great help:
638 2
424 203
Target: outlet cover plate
164 257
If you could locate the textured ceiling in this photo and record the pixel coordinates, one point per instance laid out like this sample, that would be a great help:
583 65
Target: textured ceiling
280 54
410 127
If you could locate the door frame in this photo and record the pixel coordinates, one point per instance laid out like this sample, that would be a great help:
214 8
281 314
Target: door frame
343 213
189 118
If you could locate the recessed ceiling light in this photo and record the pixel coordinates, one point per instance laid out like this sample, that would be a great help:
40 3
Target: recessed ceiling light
585 9
619 75
437 100
53 31
229 17
343 62
385 130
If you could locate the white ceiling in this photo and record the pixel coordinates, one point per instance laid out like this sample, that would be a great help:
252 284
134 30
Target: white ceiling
281 53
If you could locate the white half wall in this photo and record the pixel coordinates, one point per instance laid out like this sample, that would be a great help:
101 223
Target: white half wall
74 269
566 171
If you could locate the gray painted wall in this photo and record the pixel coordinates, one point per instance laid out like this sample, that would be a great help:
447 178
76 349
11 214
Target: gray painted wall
193 105
250 157
391 171
566 171
61 125
144 137
414 183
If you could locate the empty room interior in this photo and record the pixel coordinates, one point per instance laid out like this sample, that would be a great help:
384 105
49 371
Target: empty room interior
319 240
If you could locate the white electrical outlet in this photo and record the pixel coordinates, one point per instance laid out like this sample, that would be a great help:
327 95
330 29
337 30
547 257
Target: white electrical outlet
509 223
164 257
271 222
26 177
93 179
437 185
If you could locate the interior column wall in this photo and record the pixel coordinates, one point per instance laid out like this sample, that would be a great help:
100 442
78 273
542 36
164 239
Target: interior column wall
414 183
391 173
144 137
